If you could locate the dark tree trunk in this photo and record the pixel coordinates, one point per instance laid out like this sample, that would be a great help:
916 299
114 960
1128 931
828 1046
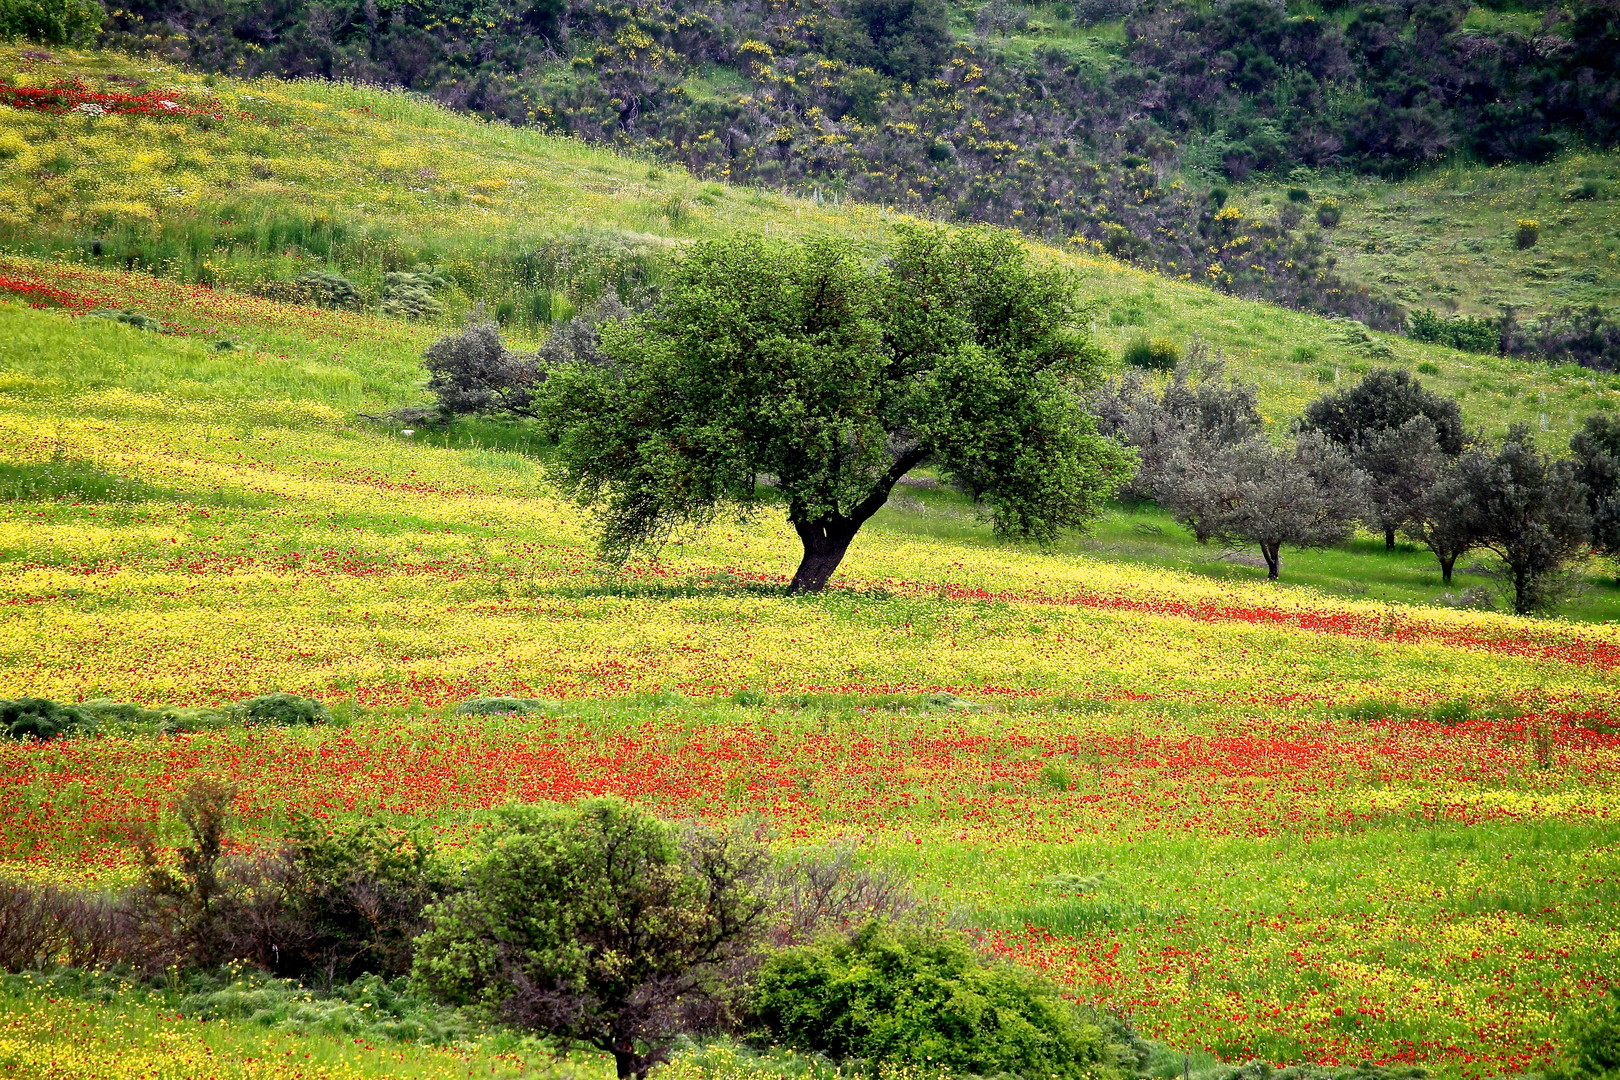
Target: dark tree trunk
625 1062
1389 538
825 543
1273 554
826 539
1445 568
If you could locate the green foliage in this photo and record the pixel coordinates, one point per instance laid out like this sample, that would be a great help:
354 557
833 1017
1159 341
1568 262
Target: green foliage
1151 354
594 924
1468 334
1329 213
40 718
50 22
1592 1042
370 1007
499 706
890 994
410 294
354 900
286 710
328 290
129 317
804 363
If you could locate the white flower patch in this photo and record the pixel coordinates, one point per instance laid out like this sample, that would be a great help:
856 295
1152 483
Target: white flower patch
169 104
90 108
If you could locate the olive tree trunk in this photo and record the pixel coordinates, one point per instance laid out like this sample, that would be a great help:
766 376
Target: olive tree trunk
1273 554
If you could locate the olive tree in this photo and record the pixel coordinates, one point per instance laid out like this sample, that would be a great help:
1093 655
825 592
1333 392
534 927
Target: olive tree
1596 447
803 374
1196 412
597 925
1382 422
1443 519
1307 495
1531 511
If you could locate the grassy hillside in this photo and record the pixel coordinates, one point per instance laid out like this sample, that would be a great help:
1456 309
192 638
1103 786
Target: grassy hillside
1207 747
1311 827
1444 240
303 177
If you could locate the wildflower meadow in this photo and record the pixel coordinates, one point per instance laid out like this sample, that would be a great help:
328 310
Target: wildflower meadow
1253 822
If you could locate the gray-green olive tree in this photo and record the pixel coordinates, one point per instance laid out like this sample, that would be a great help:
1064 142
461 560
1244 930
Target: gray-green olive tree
1382 422
596 924
1529 509
1596 447
1308 495
804 373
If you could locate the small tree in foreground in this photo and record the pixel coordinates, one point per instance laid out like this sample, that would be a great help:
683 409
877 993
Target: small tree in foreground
595 925
1530 510
804 369
1309 495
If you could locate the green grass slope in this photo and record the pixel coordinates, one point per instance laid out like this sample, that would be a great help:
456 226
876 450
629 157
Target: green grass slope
1444 240
307 177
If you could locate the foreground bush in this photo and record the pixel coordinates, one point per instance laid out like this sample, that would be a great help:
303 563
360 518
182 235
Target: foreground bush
595 925
914 997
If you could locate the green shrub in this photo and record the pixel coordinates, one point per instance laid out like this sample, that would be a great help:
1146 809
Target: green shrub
1153 354
1584 191
1592 1042
328 291
50 22
1427 368
499 706
1298 195
286 710
41 718
128 316
409 295
1468 334
911 997
1328 213
1527 233
370 1007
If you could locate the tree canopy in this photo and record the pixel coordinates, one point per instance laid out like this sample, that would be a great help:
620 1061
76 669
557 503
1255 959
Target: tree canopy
803 373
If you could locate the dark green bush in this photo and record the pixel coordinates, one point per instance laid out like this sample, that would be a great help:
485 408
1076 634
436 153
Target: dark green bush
1299 195
50 22
1328 214
1153 354
913 997
1468 334
287 710
41 718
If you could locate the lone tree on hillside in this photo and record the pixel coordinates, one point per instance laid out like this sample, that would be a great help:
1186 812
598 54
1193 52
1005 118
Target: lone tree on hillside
803 368
1308 495
1531 511
1365 420
596 925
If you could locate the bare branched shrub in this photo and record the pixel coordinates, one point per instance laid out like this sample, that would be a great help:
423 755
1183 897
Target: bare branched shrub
828 892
